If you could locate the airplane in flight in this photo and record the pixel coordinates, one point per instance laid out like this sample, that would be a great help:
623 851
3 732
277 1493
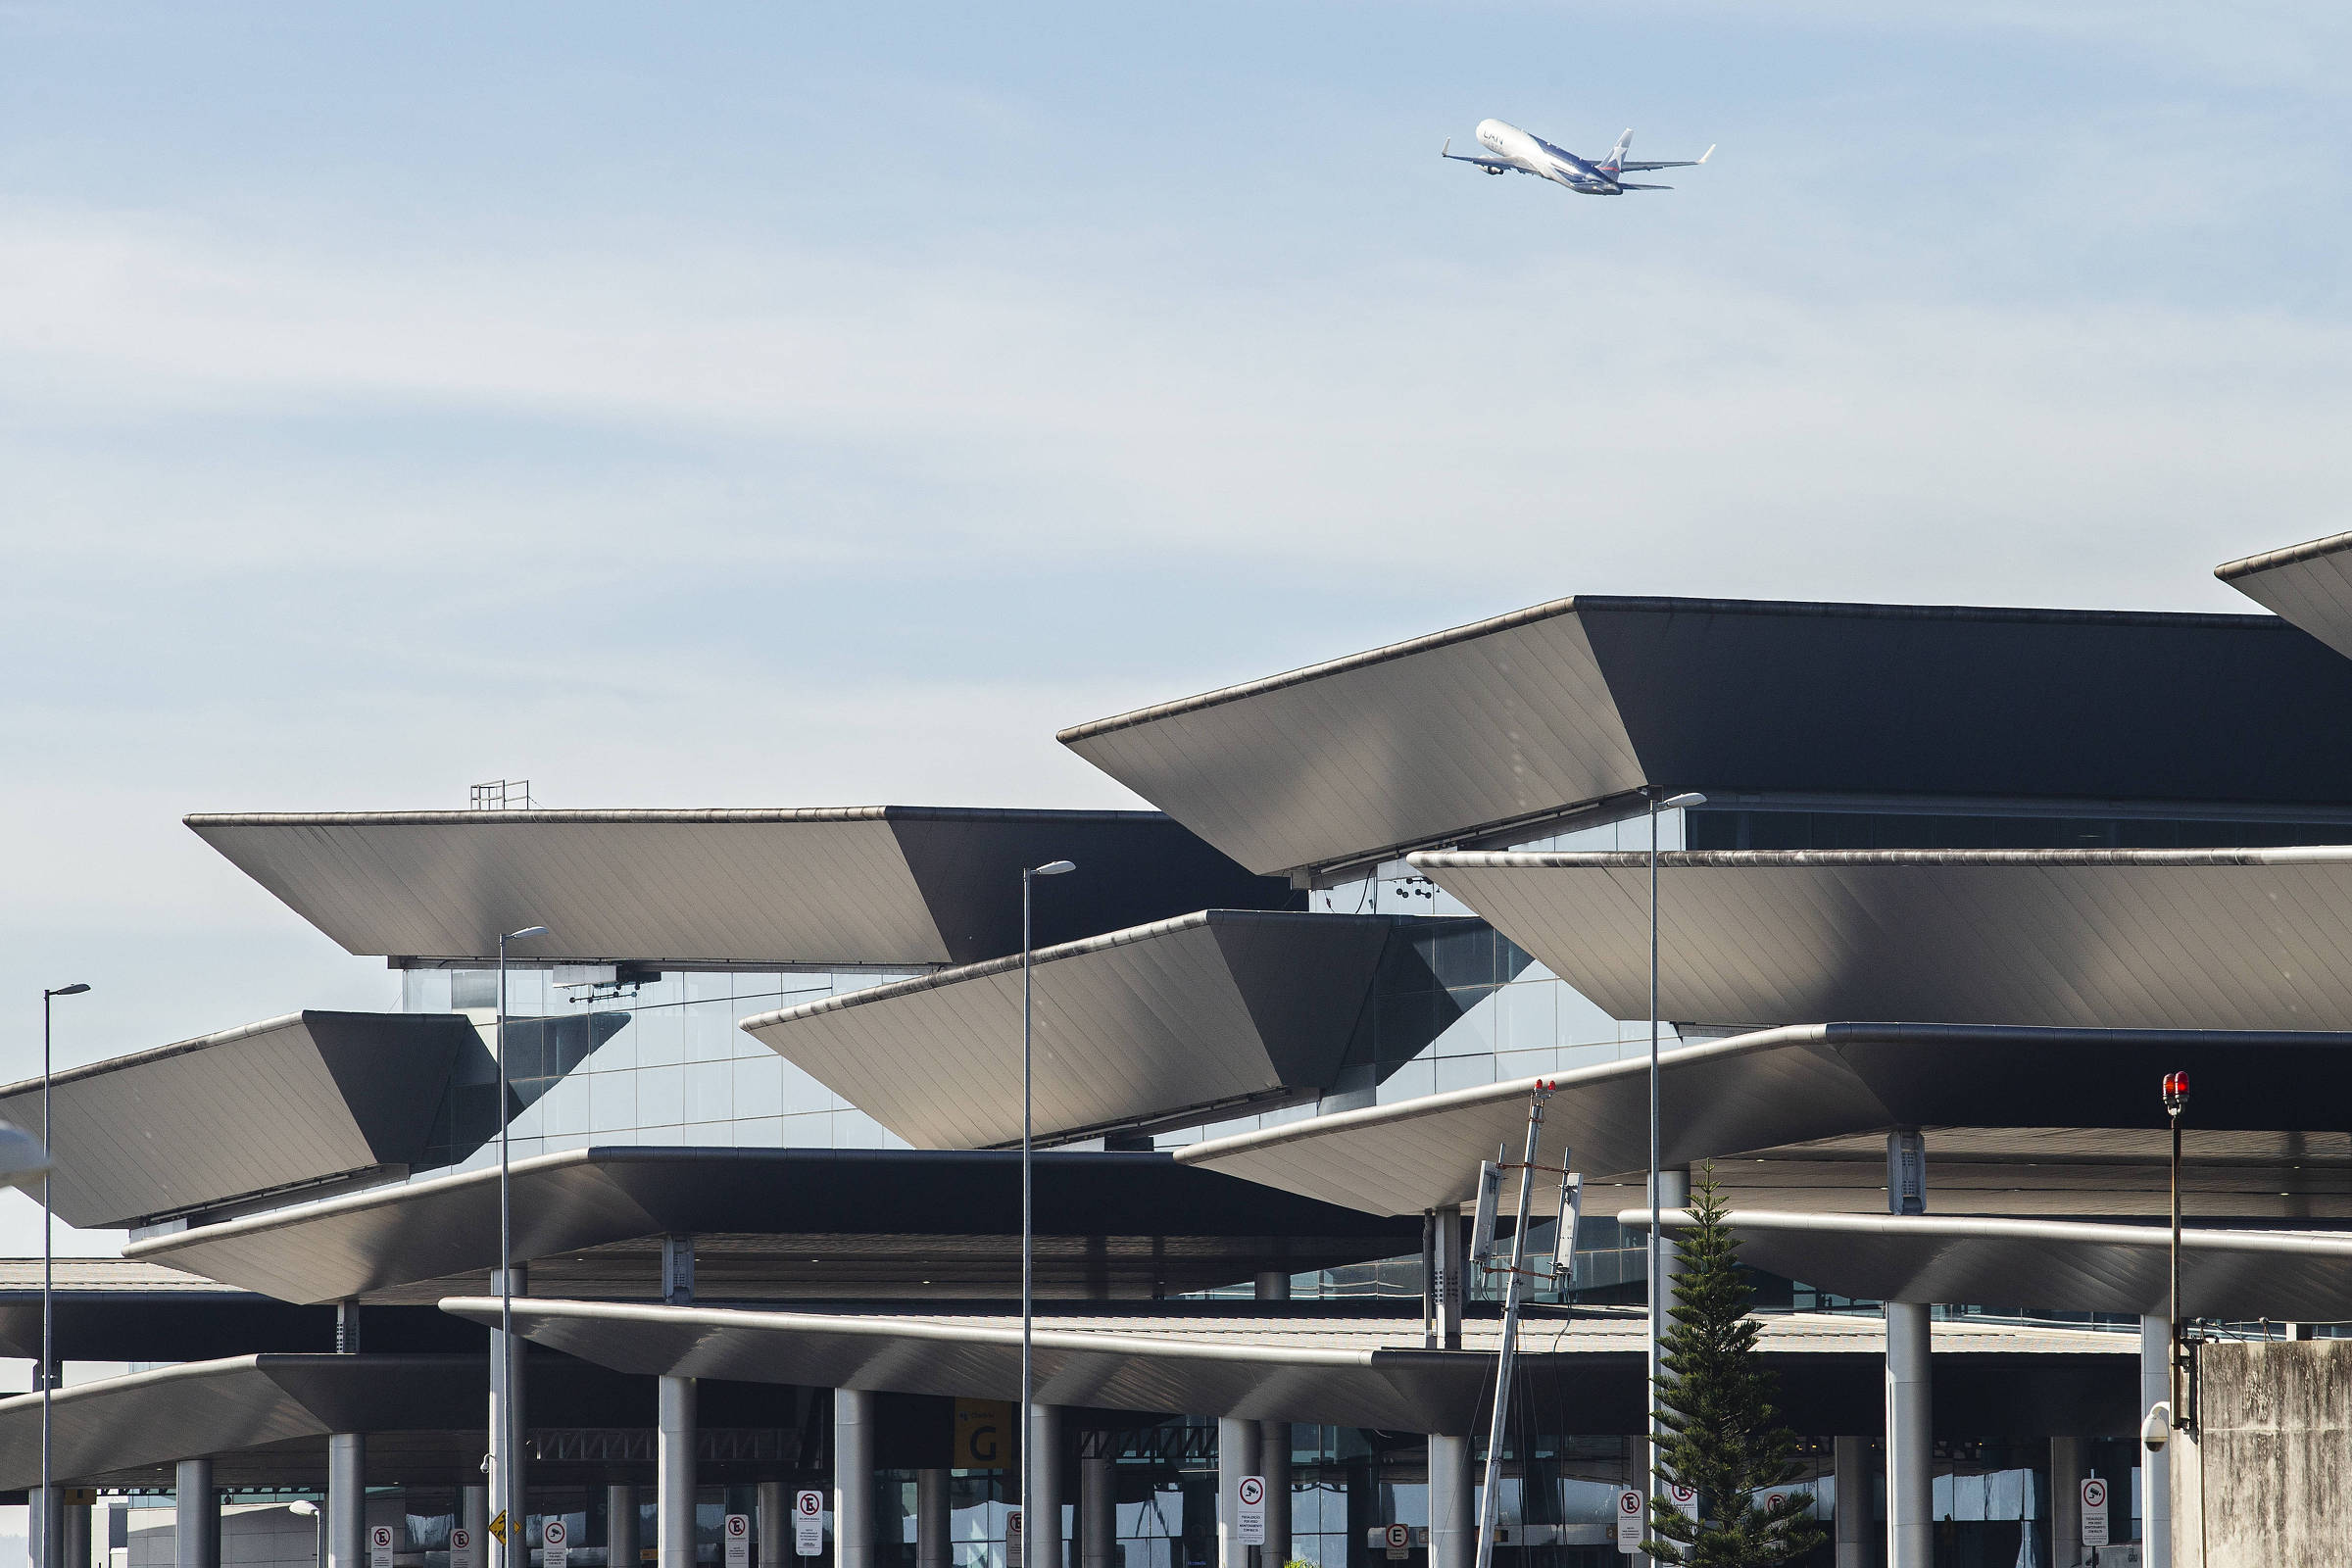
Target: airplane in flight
1520 152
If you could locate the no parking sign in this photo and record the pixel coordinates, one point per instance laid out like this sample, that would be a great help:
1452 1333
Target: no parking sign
1629 1521
808 1523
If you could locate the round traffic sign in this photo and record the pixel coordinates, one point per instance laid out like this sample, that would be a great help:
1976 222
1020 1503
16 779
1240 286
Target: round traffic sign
1629 1502
1399 1536
554 1533
461 1540
2094 1493
812 1504
739 1524
380 1537
1253 1490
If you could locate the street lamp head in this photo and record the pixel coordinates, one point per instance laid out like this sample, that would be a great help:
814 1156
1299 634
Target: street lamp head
1055 869
527 931
1687 800
74 990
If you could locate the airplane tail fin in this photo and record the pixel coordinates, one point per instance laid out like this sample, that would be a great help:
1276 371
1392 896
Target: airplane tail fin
1616 158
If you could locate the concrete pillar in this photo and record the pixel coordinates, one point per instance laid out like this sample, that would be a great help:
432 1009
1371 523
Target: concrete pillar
347 1501
1450 1269
1236 1456
2066 1502
75 1536
673 1472
45 1526
1910 1440
1453 1503
1098 1508
509 1402
1850 1458
771 1521
1273 1284
196 1516
1040 1462
2155 1465
473 1512
1274 1449
621 1527
854 1479
934 1519
1674 1192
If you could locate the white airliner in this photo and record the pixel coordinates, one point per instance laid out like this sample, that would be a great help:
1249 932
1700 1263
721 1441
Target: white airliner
1519 152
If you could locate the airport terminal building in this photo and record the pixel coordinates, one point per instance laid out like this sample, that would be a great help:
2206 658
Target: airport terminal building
1958 883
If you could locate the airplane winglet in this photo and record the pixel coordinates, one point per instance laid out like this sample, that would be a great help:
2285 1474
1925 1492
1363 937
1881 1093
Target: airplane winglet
1709 153
1447 150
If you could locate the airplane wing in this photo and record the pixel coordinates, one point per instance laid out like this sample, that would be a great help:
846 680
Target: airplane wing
1680 162
1492 165
1627 184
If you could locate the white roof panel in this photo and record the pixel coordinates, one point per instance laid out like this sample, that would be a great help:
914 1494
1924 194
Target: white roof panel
2309 585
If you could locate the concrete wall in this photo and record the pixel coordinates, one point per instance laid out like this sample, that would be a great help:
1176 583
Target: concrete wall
2267 1480
251 1536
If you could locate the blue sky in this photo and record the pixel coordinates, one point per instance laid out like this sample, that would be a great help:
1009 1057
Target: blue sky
753 405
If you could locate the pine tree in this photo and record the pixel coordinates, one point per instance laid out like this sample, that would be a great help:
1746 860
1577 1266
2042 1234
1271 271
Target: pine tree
1721 1431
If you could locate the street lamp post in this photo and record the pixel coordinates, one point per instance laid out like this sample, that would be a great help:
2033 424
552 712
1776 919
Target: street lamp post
1029 877
52 1551
506 1441
2176 1100
1656 1278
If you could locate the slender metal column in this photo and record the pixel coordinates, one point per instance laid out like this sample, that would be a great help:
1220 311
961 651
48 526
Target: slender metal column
773 1523
196 1516
1674 1192
2066 1502
1097 1513
854 1479
1274 1449
1910 1440
673 1472
1452 1507
347 1501
1851 1458
621 1527
934 1518
2156 1465
1236 1456
1450 1269
508 1425
1041 1475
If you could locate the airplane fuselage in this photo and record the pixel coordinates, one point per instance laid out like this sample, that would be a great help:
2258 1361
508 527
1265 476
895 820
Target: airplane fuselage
1537 157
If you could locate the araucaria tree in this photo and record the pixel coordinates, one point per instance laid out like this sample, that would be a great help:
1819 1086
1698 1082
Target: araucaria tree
1723 1435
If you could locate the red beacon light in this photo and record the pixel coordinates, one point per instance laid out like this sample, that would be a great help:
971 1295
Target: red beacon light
2176 1093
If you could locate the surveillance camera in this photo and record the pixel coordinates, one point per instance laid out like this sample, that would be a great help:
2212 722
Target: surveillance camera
2157 1429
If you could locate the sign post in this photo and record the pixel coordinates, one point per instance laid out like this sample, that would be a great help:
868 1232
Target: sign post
808 1523
556 1539
462 1551
1630 1522
1249 1519
738 1540
379 1547
2095 1511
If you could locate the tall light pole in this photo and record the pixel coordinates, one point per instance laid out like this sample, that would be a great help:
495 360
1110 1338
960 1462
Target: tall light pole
1657 1280
51 1547
1029 877
506 1442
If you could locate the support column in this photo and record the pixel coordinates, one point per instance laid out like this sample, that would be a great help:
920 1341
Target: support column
1850 1458
1040 1462
473 1512
196 1516
1274 1449
1098 1508
934 1519
621 1548
1236 1456
1910 1439
1674 1192
2066 1502
1450 1269
2155 1464
508 1399
1453 1503
773 1520
673 1472
347 1501
76 1536
854 1480
45 1526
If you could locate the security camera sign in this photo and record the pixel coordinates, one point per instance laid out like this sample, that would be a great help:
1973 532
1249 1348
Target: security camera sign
1630 1522
1249 1519
808 1523
738 1540
379 1547
555 1540
2094 1512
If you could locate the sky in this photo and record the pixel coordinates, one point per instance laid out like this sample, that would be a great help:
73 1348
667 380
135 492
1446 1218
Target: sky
753 405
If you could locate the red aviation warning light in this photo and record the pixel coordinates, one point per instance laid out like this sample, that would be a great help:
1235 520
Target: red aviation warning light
2176 1093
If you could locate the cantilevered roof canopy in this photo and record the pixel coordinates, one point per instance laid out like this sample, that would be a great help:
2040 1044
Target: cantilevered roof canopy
1784 1098
2307 584
270 1105
202 1408
790 1222
1460 735
1414 1390
892 886
2048 1264
2132 939
1163 1025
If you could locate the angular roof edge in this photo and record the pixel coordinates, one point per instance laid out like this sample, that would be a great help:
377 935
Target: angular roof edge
1766 860
681 814
2285 555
